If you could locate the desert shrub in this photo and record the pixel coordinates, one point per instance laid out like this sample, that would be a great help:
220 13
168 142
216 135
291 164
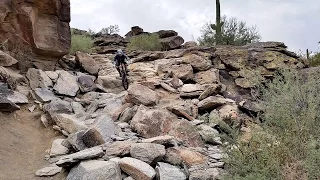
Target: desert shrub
148 42
315 59
291 115
82 43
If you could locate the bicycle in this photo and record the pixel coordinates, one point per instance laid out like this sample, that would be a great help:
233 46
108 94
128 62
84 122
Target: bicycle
124 79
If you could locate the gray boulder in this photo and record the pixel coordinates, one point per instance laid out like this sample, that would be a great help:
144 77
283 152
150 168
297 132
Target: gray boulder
148 152
169 172
66 84
94 169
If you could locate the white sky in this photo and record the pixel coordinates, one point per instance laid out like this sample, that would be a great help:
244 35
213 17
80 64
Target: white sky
294 22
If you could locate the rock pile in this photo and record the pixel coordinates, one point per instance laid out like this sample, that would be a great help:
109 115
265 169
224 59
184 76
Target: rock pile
165 126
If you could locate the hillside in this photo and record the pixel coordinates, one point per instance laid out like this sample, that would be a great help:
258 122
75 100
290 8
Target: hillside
71 116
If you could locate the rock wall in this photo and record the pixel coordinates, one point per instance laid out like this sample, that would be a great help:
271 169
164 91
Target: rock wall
43 25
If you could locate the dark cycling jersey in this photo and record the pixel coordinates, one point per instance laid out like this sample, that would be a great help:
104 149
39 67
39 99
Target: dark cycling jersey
120 58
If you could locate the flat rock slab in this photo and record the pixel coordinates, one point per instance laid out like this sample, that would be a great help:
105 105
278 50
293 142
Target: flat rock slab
17 98
44 95
148 152
169 172
86 84
66 84
49 171
9 98
211 102
137 169
191 158
94 169
58 106
38 79
69 123
71 159
118 148
140 94
57 148
166 139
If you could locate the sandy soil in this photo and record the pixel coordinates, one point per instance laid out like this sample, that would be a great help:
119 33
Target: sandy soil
23 145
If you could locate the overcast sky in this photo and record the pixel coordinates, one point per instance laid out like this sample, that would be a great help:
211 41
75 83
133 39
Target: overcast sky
294 22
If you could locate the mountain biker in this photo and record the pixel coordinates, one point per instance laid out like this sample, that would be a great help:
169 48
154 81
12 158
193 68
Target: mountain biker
120 57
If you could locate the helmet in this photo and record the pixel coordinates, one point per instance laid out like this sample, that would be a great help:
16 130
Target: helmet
119 51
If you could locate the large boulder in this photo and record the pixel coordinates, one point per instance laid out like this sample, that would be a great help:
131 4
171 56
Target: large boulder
69 123
137 169
87 63
207 77
45 29
135 30
140 94
198 63
172 42
66 84
38 79
188 156
151 123
148 152
169 172
94 169
166 33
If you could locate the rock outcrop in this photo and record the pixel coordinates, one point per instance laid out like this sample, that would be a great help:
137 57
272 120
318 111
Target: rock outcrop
43 26
166 125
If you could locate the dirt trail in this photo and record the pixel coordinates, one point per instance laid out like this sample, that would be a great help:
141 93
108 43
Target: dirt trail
23 145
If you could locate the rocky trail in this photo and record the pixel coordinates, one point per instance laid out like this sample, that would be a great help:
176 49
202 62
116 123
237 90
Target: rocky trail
24 142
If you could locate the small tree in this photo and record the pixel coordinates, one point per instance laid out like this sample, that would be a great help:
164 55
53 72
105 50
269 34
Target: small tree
112 29
234 32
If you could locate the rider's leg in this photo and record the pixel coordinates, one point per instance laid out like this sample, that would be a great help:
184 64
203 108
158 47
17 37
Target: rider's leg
118 69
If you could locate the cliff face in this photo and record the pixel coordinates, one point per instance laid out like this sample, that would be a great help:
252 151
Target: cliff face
41 24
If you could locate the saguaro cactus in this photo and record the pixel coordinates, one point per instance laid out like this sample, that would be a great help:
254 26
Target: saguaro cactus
218 26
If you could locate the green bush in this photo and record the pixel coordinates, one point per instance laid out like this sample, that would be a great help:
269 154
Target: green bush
291 105
82 43
149 42
315 60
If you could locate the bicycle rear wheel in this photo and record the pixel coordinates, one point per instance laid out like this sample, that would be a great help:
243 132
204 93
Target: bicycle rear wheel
125 82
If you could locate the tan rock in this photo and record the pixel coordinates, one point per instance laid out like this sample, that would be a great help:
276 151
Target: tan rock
212 90
151 123
137 169
197 62
211 102
207 77
87 63
191 158
142 95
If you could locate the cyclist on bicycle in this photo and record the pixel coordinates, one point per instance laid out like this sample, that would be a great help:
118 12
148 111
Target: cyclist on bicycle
120 57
